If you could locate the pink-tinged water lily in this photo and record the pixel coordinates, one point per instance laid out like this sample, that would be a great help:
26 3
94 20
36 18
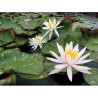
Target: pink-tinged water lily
70 58
37 41
27 20
52 26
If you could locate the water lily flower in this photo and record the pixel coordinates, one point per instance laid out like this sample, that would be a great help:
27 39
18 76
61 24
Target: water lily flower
37 41
27 20
70 58
51 26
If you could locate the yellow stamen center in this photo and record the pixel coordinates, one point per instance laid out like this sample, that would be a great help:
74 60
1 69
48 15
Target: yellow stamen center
52 23
73 54
38 39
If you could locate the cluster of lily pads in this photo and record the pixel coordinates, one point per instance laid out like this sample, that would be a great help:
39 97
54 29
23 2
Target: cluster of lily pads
53 47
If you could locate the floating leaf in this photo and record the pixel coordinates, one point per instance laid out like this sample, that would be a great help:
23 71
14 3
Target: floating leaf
21 40
66 30
31 24
8 25
20 62
94 56
6 38
51 46
92 44
92 79
42 75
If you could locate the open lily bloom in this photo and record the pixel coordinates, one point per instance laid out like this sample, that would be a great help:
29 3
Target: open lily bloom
51 26
70 58
37 41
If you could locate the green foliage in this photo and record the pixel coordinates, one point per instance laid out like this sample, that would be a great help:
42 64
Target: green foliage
92 43
21 62
94 56
21 40
6 38
92 79
51 46
28 76
31 24
66 30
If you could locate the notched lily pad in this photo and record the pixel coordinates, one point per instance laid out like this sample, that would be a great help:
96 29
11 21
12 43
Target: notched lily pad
20 62
92 79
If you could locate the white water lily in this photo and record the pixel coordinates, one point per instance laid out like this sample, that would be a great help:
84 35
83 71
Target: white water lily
37 41
70 58
51 26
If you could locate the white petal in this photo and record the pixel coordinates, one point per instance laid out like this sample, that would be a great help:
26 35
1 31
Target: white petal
81 67
66 46
53 60
54 21
46 24
61 51
76 47
83 57
81 53
82 70
55 71
54 54
71 45
61 66
45 28
69 73
59 27
46 33
68 58
83 61
58 22
56 32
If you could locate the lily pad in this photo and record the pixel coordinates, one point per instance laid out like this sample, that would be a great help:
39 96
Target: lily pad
94 56
6 38
66 30
42 75
20 62
21 40
8 25
31 24
92 43
51 46
92 79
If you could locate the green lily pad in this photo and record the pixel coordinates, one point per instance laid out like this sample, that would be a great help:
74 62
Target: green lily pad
19 30
20 62
6 38
21 40
92 79
66 30
8 25
42 75
51 46
92 43
94 56
1 49
31 24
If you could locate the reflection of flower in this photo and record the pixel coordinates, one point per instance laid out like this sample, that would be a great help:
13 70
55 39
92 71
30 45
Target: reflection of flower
51 26
37 41
70 58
